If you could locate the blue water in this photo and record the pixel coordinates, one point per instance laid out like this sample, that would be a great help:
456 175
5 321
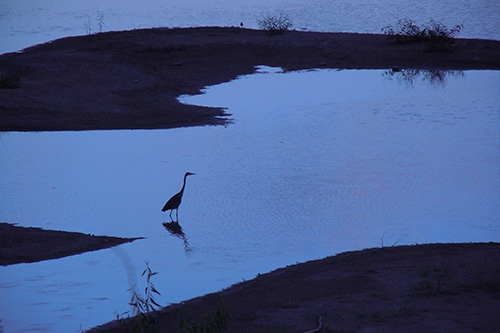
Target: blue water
314 164
27 22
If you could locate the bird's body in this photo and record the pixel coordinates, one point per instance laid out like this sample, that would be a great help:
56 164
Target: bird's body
175 201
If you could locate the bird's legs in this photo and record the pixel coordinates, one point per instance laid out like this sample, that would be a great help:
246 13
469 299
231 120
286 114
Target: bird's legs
171 219
177 214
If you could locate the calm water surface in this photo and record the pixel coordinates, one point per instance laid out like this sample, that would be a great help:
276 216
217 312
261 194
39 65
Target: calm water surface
27 22
315 163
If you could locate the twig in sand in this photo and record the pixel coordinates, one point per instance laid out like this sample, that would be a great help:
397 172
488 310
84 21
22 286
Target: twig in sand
320 325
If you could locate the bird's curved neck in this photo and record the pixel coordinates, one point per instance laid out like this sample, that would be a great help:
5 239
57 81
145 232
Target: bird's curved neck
183 184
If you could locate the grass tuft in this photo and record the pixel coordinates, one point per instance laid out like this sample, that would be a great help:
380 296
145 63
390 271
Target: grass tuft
217 322
9 81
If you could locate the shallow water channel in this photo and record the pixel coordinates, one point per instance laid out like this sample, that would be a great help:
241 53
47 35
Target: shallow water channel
314 163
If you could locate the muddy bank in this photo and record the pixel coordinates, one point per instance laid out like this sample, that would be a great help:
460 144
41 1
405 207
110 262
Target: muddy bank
131 79
421 288
26 245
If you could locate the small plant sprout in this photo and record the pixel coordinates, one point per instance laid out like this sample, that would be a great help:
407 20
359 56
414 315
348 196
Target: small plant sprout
275 24
100 20
144 307
88 27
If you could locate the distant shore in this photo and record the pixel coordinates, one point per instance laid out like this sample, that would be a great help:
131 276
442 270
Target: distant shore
131 79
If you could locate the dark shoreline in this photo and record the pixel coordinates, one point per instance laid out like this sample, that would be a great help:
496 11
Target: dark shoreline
417 288
131 79
26 245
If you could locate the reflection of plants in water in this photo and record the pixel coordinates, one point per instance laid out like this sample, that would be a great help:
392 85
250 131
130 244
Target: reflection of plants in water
409 76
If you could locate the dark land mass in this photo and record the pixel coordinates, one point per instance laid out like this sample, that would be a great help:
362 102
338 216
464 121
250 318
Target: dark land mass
131 79
26 245
420 288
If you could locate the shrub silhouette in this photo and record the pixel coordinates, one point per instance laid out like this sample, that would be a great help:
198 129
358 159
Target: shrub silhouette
275 24
440 36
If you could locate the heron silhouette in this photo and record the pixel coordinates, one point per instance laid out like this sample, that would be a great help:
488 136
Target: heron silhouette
175 201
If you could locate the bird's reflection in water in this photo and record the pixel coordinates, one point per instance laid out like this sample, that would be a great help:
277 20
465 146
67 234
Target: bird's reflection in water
175 229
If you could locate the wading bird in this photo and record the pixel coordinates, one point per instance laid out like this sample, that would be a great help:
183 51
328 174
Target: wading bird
175 201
